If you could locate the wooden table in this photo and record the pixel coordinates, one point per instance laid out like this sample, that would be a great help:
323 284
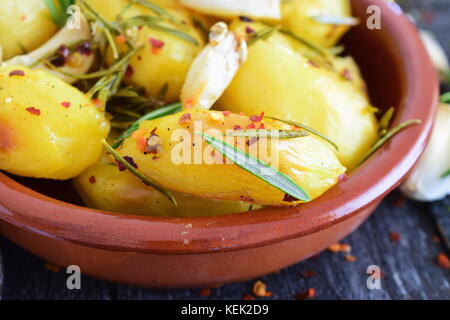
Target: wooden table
409 264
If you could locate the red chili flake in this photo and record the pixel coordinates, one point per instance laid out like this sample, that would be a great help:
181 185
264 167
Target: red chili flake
250 126
289 198
342 178
312 63
121 166
398 201
34 111
185 118
261 126
97 102
65 104
226 113
248 297
139 57
205 293
129 72
22 18
249 30
120 39
335 247
59 61
256 118
237 127
252 141
130 161
308 294
85 49
260 289
346 74
92 179
153 132
156 44
18 73
395 237
309 274
443 261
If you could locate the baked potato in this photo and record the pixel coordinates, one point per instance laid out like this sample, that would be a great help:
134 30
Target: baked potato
48 129
283 78
24 26
299 16
168 151
103 186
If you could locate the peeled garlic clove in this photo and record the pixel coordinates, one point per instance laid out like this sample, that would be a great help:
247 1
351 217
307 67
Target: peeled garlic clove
66 36
258 9
426 182
214 68
436 52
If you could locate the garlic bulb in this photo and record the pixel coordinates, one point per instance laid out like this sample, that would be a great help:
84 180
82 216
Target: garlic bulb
258 9
214 68
426 182
78 63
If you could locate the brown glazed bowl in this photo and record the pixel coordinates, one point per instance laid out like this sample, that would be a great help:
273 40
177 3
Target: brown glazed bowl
44 217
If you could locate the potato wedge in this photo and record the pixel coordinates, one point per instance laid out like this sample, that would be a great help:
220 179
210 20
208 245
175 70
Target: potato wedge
299 16
166 150
283 78
165 59
104 187
48 129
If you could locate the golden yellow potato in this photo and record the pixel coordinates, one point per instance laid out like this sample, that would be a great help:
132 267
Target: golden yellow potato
349 70
165 59
24 26
166 150
48 129
298 17
104 187
281 79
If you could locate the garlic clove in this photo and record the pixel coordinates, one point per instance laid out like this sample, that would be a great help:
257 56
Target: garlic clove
214 68
78 64
426 182
258 9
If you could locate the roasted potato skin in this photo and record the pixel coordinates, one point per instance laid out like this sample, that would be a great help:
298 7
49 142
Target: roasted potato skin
297 17
152 67
280 79
24 25
307 160
104 187
48 129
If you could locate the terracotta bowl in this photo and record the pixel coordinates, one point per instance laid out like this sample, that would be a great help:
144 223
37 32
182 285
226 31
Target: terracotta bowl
45 218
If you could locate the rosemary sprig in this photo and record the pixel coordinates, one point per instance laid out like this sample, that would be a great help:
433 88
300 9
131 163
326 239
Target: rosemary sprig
446 174
310 130
336 20
169 109
262 34
279 134
146 180
58 13
323 52
386 137
154 23
385 121
258 168
160 11
445 98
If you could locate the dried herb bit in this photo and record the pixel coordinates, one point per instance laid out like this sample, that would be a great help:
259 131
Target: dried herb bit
386 137
445 98
310 130
147 181
385 121
58 11
169 109
278 134
262 34
336 20
258 168
17 73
